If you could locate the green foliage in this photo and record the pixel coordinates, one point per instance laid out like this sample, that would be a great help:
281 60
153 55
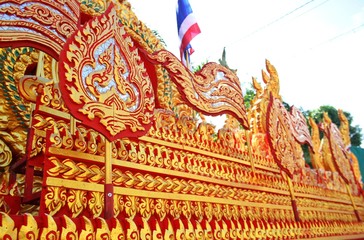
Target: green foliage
306 155
355 131
248 97
199 67
286 106
156 33
317 115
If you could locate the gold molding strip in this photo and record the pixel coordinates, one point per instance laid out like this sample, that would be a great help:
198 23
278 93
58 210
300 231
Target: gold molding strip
77 155
174 173
323 210
359 205
57 182
346 237
197 198
199 178
54 112
211 154
60 182
328 199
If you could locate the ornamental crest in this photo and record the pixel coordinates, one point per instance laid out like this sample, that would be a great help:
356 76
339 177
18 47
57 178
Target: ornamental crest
104 82
287 130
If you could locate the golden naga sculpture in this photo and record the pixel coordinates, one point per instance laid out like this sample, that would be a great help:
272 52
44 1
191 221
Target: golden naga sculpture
98 139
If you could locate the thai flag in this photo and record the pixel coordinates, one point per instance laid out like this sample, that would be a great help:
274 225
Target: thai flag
187 28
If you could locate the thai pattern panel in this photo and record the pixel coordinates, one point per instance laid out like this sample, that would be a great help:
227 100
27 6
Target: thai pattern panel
136 168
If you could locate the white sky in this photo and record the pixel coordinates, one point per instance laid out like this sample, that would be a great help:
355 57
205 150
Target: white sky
318 50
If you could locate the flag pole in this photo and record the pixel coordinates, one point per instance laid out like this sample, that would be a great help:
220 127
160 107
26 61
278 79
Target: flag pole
187 60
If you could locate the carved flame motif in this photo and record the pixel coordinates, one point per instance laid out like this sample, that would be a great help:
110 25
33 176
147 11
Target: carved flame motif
103 81
213 90
30 230
286 131
339 154
299 127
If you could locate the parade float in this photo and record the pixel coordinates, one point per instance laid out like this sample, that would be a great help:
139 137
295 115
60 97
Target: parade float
99 139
